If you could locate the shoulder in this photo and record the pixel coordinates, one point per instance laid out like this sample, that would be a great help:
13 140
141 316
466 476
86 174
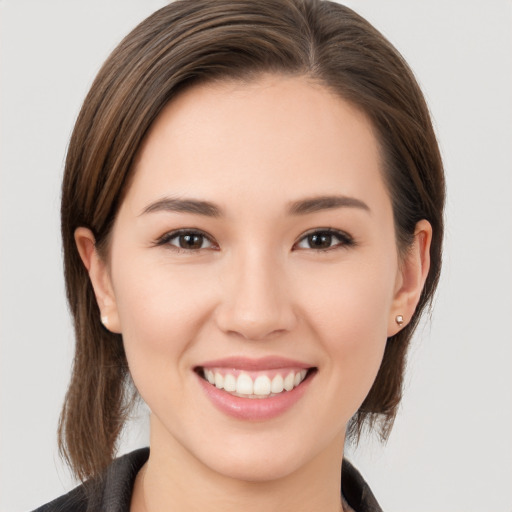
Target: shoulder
74 501
356 491
112 492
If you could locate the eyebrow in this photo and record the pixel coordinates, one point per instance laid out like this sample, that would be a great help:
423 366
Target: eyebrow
208 209
174 204
316 204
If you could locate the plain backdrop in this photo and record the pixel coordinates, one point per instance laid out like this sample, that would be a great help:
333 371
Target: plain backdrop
451 448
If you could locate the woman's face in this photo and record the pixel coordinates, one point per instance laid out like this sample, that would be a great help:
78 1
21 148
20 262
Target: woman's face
255 242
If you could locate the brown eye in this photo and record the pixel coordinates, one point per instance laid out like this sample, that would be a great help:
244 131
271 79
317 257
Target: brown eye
191 241
323 240
320 240
186 240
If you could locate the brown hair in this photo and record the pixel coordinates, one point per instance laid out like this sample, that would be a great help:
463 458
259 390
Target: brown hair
199 40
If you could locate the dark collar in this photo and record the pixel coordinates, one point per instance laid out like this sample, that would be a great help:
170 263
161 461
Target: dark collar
356 491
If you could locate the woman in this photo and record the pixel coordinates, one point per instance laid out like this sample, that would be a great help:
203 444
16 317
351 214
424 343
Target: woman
252 226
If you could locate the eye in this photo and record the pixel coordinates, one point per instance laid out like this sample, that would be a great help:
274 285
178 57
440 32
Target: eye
187 240
324 239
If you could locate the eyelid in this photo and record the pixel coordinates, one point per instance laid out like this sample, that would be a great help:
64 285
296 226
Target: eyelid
170 235
345 240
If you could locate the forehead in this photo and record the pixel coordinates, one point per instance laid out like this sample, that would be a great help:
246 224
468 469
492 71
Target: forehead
269 139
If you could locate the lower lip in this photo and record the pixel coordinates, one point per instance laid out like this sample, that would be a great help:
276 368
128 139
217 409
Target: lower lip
254 409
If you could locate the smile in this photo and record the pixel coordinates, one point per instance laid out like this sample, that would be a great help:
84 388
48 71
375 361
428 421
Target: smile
260 384
255 389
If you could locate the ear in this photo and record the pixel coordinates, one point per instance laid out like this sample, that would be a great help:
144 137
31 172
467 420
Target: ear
411 277
100 278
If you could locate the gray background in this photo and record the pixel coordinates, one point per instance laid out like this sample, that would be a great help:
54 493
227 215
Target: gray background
451 446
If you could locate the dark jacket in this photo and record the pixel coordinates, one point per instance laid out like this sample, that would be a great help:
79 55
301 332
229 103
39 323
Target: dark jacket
114 491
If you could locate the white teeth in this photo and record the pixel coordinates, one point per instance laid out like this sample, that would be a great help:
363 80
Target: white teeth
289 381
244 384
229 382
262 385
219 380
277 384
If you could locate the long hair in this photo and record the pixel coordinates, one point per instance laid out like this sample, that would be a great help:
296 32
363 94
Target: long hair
193 41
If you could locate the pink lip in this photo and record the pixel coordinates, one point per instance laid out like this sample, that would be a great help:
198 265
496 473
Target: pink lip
264 363
254 409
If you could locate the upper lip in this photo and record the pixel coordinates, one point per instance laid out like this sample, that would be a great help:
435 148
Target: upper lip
257 364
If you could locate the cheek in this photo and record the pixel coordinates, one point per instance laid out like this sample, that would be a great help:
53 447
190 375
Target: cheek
161 310
349 314
354 299
156 300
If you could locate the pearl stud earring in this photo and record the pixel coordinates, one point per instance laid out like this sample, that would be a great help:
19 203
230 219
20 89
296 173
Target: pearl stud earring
104 320
399 319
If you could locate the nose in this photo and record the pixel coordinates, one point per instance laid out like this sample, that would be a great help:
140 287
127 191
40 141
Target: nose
255 303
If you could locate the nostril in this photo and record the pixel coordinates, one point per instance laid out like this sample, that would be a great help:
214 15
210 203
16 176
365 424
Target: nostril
256 333
255 312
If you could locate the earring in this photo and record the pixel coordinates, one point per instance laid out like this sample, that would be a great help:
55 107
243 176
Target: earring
399 319
104 320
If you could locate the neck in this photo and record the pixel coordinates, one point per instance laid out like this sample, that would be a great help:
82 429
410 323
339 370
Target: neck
174 479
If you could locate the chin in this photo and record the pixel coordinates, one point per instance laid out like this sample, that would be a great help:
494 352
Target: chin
258 468
271 456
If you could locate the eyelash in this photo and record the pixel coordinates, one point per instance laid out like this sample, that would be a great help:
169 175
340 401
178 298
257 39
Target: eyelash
168 237
344 240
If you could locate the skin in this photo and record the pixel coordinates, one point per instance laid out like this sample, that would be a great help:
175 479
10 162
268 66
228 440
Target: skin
255 288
